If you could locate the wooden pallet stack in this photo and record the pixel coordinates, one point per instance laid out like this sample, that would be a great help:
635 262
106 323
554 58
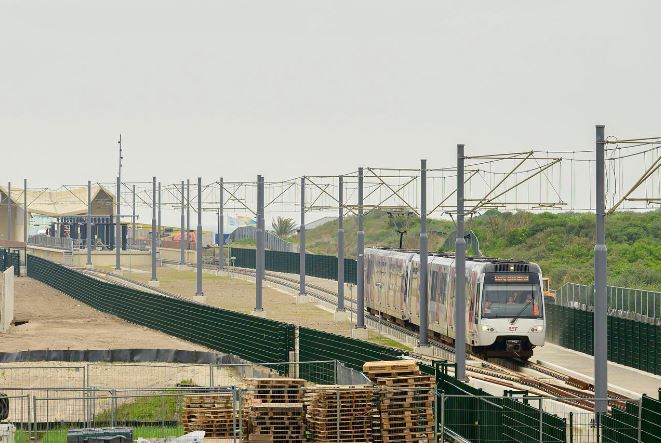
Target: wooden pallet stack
276 409
340 413
213 413
404 409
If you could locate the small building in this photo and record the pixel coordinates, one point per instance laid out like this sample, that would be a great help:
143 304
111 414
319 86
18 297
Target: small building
59 214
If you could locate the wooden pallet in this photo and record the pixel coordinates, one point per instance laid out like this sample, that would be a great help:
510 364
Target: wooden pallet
340 413
403 410
285 422
275 390
212 413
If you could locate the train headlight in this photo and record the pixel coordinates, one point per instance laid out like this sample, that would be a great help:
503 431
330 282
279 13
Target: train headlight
486 328
539 328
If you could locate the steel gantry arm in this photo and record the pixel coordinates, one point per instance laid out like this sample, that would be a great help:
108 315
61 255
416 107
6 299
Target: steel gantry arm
509 174
647 174
485 202
394 192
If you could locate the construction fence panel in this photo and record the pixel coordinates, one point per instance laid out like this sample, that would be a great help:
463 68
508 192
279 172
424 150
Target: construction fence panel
630 342
321 266
249 337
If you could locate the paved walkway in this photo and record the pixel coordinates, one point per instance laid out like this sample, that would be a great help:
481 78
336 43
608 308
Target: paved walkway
620 378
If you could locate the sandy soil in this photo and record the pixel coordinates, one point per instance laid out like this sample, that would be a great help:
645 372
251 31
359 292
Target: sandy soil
57 321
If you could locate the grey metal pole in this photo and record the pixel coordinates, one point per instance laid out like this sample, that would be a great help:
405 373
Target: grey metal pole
118 228
25 211
133 217
259 257
198 238
159 217
153 231
221 227
187 214
600 265
301 243
360 286
340 245
10 224
460 271
88 230
424 256
182 241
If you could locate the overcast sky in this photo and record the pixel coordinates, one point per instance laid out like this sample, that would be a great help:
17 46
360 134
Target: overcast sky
285 88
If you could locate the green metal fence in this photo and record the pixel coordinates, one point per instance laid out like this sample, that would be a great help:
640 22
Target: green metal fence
634 423
631 343
9 258
480 417
253 338
627 300
322 266
318 345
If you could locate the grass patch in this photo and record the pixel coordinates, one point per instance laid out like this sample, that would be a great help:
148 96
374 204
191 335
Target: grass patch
385 341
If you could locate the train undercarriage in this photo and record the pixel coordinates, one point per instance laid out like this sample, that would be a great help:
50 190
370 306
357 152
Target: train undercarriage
518 347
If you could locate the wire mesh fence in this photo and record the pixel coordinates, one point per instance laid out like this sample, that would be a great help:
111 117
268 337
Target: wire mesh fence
287 410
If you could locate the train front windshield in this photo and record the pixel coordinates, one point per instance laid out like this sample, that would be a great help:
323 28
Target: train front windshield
506 296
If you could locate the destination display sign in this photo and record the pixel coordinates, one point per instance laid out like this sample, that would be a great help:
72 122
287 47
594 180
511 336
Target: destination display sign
512 278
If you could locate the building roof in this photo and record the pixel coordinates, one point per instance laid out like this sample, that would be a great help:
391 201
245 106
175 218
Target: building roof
68 200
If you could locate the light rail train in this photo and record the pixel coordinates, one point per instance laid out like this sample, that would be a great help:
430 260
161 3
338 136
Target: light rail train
504 300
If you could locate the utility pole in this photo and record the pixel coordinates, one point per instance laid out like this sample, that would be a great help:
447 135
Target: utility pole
182 241
340 313
118 226
198 239
301 245
460 274
133 217
187 215
424 256
259 252
88 230
221 228
159 216
360 331
154 246
600 300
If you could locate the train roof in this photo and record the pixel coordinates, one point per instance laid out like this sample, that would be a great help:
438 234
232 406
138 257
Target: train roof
497 264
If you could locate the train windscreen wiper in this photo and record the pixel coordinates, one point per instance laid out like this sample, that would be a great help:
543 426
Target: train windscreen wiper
516 317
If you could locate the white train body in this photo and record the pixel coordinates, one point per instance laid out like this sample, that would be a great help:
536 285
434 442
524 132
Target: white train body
504 301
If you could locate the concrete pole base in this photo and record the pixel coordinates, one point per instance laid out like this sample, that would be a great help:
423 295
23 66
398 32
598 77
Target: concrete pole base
424 350
200 299
154 283
302 298
261 313
360 333
340 316
118 272
181 267
89 267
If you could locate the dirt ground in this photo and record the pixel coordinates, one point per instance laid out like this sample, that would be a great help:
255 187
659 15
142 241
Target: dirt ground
238 295
57 321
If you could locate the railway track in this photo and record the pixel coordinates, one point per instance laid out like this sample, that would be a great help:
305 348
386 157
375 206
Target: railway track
507 373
